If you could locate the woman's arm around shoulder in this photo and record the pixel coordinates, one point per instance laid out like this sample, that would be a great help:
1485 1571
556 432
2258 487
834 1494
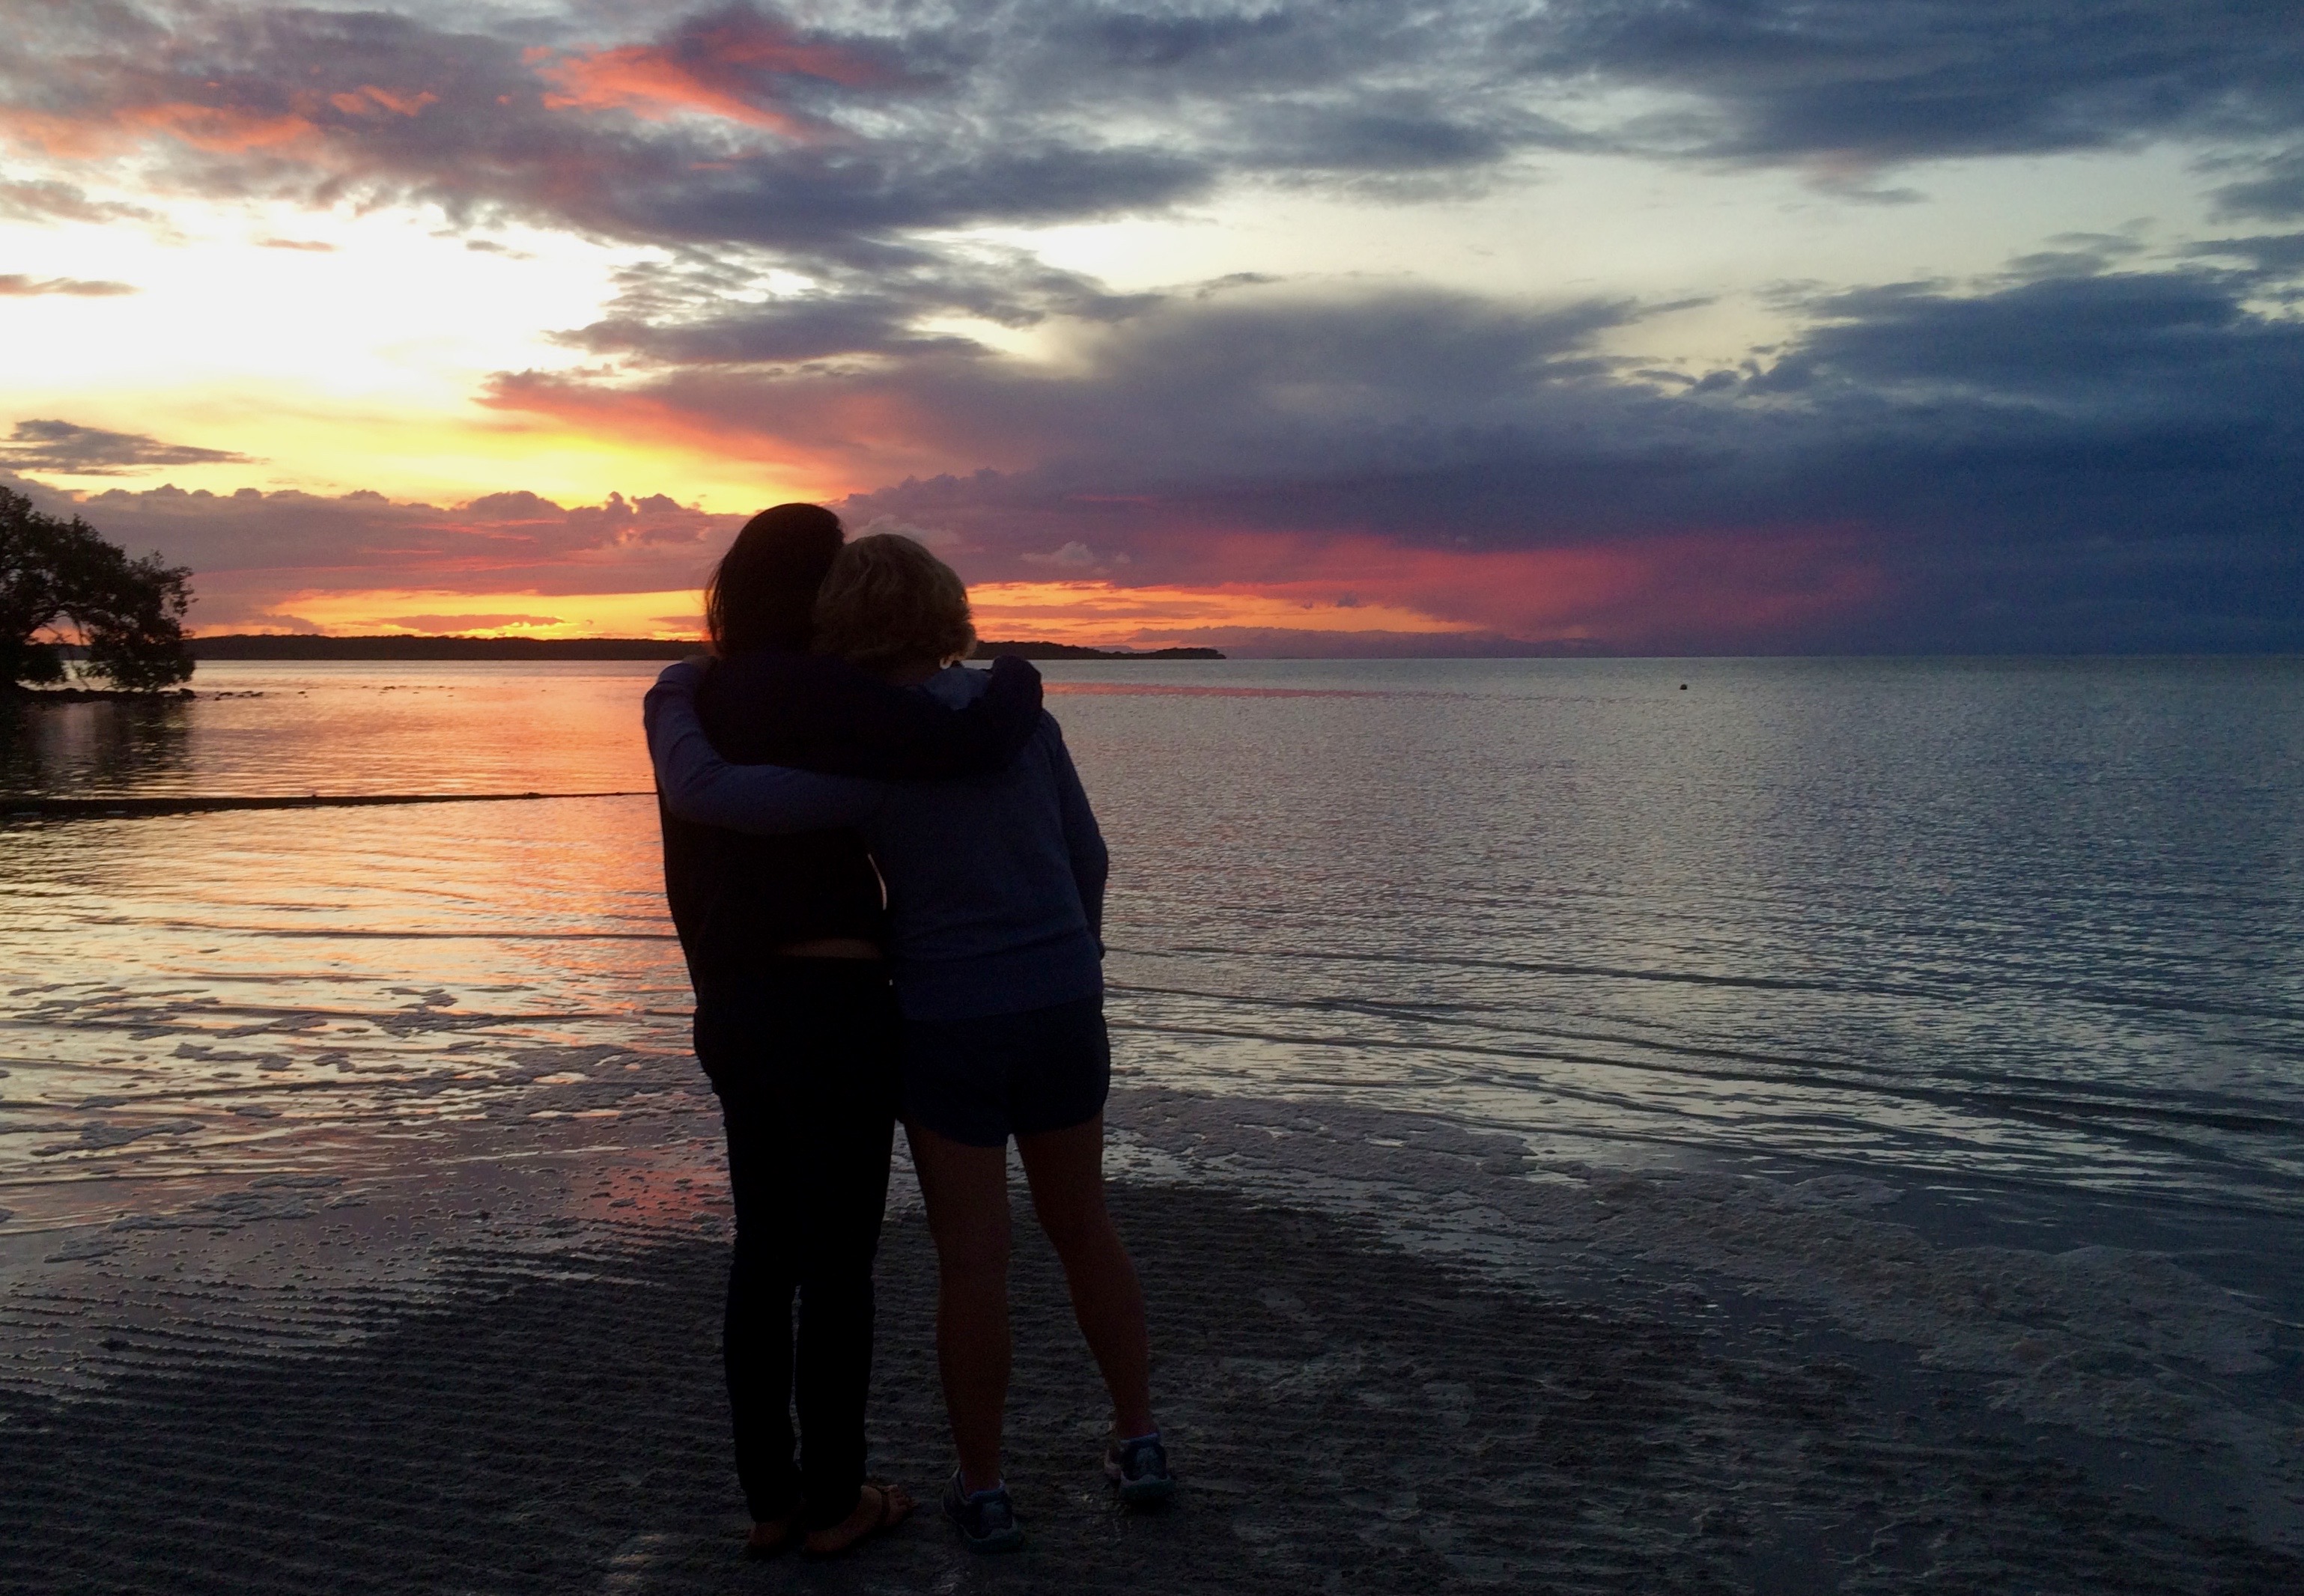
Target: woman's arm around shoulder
820 713
697 785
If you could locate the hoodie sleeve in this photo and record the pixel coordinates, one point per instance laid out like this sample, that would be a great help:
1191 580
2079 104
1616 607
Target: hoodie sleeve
697 785
1091 861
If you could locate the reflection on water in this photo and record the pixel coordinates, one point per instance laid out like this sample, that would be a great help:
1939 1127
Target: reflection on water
302 727
103 747
2013 926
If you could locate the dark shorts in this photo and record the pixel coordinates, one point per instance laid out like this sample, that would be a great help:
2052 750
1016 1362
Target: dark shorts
981 1081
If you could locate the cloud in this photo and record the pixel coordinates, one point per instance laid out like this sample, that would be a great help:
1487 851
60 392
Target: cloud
2102 460
851 146
16 285
830 138
52 201
253 552
703 308
2107 458
438 625
2275 192
72 450
1074 553
2270 254
1855 82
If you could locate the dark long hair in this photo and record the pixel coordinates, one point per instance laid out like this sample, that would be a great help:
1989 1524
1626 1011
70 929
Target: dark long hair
761 592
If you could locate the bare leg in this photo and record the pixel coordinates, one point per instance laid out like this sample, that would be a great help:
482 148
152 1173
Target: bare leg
966 1189
1066 1171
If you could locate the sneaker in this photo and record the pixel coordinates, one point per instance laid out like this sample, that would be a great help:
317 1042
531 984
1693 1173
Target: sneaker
1139 1469
986 1519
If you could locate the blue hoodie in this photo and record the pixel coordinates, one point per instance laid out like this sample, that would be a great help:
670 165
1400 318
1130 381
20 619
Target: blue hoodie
995 882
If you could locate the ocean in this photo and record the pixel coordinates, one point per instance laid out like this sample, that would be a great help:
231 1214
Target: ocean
2011 950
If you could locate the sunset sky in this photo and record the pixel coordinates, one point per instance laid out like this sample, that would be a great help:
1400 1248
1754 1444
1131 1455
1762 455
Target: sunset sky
1310 326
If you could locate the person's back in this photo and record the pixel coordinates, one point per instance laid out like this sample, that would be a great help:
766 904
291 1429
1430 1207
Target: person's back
995 881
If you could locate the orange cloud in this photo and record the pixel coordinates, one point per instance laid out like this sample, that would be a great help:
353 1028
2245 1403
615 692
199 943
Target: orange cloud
219 130
369 99
712 73
715 71
851 436
643 81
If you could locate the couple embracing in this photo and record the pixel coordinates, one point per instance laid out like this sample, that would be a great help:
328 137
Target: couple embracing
889 887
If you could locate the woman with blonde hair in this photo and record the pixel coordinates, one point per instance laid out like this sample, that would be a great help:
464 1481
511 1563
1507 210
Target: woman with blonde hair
995 900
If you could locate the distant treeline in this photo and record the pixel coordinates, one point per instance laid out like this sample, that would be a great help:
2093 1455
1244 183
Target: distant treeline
302 645
1072 651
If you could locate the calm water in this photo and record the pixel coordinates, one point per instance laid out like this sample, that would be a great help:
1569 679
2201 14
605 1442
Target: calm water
2025 928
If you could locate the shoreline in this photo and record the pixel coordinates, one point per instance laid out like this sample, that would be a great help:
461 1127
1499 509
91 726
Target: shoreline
1343 1408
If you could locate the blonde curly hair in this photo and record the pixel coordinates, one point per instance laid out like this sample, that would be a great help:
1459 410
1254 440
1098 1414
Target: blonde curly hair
888 603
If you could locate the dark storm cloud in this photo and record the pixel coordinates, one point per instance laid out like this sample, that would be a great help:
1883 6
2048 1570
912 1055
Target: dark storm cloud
1250 382
2274 190
76 451
1893 80
2104 460
2273 254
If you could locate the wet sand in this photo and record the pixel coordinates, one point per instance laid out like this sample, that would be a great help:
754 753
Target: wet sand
1350 1415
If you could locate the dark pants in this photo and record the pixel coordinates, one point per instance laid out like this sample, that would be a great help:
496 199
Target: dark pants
804 1060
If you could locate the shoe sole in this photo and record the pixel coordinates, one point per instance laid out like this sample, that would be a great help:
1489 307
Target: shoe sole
1138 1492
1011 1539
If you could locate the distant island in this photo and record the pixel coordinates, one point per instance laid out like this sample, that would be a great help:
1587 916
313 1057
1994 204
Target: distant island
307 646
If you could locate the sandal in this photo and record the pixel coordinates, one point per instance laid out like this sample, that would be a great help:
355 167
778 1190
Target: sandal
893 1506
770 1536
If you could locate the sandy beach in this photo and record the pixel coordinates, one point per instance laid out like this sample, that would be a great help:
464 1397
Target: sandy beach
1352 1412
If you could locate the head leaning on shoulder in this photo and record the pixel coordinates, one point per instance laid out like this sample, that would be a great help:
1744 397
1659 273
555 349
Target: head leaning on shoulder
763 592
890 607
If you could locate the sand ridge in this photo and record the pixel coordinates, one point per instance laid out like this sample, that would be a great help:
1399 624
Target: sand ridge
1350 1416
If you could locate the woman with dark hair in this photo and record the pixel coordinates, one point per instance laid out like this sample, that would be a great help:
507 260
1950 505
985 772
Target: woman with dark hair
796 1023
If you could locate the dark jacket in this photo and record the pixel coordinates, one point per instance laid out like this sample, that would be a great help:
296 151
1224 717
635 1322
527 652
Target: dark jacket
735 898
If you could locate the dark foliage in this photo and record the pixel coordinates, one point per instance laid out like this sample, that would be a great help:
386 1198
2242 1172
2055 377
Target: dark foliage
62 575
